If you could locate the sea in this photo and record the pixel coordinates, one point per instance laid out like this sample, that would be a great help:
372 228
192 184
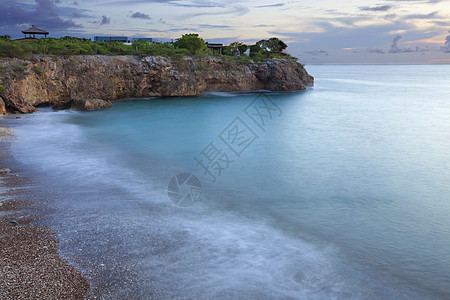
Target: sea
341 191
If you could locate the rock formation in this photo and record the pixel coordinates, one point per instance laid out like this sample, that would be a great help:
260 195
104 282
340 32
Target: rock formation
2 107
44 80
83 104
15 103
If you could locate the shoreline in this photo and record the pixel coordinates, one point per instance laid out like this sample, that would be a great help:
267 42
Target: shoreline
30 263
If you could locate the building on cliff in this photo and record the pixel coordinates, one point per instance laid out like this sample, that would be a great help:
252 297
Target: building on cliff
122 39
153 40
33 30
215 47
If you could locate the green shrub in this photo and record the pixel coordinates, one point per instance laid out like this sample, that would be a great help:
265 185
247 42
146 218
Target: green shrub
187 45
192 43
20 68
124 73
2 88
38 70
257 56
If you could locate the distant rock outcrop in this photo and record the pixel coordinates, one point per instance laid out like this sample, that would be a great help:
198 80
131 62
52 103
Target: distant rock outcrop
15 103
83 104
43 80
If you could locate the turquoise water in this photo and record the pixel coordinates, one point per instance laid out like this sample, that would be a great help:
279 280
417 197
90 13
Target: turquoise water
342 193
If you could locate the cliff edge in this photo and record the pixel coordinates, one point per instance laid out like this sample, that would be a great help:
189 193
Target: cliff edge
46 80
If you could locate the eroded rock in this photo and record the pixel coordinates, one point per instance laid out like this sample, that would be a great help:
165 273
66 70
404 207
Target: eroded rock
4 171
15 103
2 107
121 77
89 104
83 104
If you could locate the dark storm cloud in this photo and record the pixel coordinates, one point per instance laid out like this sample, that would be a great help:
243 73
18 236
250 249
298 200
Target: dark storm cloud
105 20
376 8
139 15
44 15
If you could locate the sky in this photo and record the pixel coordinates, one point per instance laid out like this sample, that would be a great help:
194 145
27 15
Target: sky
321 31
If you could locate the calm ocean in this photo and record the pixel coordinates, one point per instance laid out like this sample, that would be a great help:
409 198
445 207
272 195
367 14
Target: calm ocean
338 192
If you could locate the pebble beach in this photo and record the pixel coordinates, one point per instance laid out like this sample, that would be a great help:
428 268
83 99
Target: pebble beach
30 267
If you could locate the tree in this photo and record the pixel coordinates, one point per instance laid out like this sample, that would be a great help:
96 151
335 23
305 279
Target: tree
140 47
237 48
191 42
272 45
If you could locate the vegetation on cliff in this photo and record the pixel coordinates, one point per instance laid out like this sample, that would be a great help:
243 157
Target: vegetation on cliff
188 45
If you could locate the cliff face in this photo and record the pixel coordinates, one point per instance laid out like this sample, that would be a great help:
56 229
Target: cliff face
50 80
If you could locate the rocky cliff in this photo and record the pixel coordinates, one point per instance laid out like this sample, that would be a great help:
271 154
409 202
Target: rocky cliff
43 80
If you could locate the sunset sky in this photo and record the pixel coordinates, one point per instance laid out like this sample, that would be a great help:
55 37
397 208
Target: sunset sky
405 31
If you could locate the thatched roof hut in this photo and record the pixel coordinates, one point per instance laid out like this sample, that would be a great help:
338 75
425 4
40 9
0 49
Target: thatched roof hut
33 30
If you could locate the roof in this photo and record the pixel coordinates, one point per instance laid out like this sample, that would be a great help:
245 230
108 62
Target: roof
34 30
214 45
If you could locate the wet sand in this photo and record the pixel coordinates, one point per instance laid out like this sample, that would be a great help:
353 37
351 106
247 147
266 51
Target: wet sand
30 267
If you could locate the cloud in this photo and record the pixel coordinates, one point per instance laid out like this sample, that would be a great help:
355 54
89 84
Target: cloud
395 44
237 10
271 5
44 14
395 47
316 52
447 43
71 12
442 60
376 8
105 20
420 1
138 15
196 3
209 26
432 15
374 50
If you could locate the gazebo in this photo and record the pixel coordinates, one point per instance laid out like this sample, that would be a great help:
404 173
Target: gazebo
215 46
33 30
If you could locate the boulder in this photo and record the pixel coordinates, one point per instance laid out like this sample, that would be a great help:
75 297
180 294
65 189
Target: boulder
4 171
15 103
90 104
83 104
62 104
2 107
